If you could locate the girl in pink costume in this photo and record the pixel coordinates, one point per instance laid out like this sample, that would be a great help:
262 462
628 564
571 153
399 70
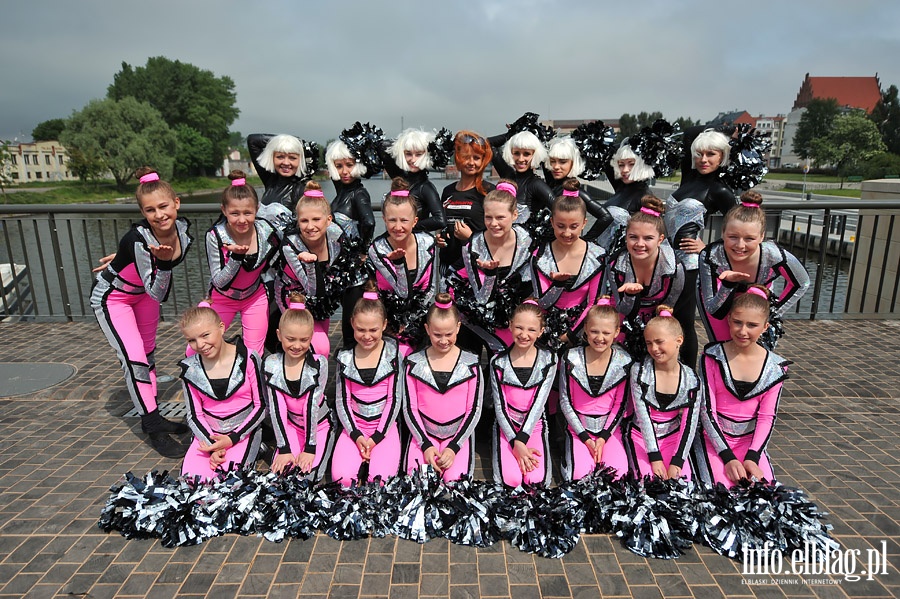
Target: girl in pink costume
593 385
405 267
567 273
743 382
443 392
667 398
495 274
521 379
239 247
318 263
368 398
295 395
127 295
644 275
224 396
740 258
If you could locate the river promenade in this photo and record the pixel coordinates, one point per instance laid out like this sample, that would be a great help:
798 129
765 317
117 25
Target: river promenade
61 448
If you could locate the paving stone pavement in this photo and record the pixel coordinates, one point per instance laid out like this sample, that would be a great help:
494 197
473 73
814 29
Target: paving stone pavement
61 448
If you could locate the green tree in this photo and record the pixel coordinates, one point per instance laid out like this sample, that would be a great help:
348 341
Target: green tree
815 123
48 130
886 115
86 165
124 134
6 167
685 122
880 166
628 125
193 152
185 95
852 140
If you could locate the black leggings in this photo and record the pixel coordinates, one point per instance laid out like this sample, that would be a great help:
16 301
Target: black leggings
351 296
686 312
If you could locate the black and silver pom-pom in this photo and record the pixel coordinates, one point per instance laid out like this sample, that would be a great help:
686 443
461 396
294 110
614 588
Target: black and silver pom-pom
529 122
596 144
658 146
747 164
311 151
441 149
364 141
474 503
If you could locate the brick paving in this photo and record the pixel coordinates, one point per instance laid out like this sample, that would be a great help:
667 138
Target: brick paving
61 448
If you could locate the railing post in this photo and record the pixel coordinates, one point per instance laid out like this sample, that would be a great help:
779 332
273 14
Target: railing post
60 271
820 269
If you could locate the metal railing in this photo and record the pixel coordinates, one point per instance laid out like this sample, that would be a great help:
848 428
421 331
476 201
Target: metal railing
47 253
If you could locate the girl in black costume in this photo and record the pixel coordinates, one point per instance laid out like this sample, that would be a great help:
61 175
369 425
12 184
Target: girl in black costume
408 157
630 178
515 156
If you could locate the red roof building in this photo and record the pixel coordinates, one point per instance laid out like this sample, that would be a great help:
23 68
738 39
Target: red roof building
855 92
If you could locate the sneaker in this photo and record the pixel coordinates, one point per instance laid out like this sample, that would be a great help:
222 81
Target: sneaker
166 446
155 423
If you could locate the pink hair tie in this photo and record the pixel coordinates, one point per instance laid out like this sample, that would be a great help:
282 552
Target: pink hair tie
531 302
401 193
604 301
571 193
649 211
443 305
238 182
204 304
149 177
665 314
507 187
314 193
759 292
370 295
296 306
749 205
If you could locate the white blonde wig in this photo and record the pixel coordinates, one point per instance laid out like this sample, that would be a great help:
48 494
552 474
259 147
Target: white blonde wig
525 140
641 171
283 143
412 140
711 140
338 150
564 148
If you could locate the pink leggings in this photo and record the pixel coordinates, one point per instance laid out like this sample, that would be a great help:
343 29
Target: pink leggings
667 447
254 318
320 341
196 462
716 467
578 461
462 463
129 323
506 468
324 445
384 461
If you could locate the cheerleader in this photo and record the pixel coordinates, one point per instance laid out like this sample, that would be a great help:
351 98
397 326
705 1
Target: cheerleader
521 380
408 157
352 210
495 274
564 161
667 400
644 275
741 257
630 178
368 399
593 385
127 294
404 266
282 165
317 262
567 273
516 155
239 247
742 381
443 394
463 201
223 393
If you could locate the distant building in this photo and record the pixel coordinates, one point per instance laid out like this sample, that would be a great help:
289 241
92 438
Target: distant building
233 161
38 161
850 92
566 126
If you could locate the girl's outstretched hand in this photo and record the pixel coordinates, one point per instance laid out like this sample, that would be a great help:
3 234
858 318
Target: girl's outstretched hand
162 252
104 262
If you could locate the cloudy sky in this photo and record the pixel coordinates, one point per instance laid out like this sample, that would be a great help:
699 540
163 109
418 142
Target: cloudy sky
312 68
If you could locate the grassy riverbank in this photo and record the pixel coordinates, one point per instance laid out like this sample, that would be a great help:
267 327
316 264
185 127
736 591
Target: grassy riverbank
75 192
